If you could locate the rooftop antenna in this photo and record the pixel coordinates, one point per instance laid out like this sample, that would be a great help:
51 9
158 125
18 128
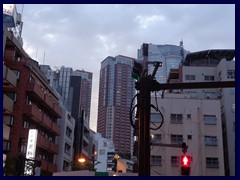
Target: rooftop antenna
43 57
181 51
36 53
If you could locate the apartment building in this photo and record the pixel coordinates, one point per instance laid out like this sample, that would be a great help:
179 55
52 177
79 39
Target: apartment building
35 107
215 65
116 90
197 122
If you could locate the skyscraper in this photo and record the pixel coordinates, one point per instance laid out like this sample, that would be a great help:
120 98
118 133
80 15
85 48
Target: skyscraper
116 91
170 55
75 88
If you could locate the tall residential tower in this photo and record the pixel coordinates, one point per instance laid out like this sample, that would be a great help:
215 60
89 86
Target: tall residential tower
116 91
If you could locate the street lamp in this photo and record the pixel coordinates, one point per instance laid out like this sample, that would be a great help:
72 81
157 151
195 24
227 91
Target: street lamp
94 162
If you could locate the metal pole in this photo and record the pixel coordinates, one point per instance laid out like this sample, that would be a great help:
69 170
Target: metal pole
144 101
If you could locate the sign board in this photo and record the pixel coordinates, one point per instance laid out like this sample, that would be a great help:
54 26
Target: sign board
31 149
9 15
8 9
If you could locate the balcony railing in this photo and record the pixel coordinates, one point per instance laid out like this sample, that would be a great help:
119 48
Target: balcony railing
9 78
7 104
33 112
42 142
57 110
47 122
48 100
44 165
6 131
47 166
56 128
52 167
36 90
54 148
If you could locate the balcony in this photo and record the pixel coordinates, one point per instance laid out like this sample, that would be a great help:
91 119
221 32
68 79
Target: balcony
42 142
47 122
44 165
47 166
35 90
6 146
56 128
7 104
9 78
8 120
52 167
48 100
54 148
57 110
33 112
6 132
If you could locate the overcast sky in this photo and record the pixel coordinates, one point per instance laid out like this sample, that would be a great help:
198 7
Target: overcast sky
82 36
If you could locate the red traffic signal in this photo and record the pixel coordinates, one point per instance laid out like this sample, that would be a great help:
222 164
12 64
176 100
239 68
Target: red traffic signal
185 160
185 165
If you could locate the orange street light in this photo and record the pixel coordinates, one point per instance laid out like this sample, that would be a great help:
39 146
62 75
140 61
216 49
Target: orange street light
81 160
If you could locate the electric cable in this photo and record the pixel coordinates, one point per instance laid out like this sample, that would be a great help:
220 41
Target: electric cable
132 110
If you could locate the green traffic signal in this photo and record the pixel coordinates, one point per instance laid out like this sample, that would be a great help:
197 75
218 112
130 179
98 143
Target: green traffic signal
137 70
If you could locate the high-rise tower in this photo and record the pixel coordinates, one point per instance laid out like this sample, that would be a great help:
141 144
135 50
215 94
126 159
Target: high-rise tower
116 91
170 55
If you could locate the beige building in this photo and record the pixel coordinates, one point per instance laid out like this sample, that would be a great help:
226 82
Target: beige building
197 122
216 65
202 118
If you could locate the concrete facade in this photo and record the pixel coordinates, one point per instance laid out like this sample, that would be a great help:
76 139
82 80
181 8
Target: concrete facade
196 122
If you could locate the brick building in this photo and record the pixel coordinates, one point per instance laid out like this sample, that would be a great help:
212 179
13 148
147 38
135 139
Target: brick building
35 107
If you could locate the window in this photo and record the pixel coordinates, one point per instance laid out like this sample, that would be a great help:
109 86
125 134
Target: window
219 75
6 146
231 74
193 94
174 161
176 118
22 145
209 78
232 91
68 132
156 138
104 144
176 139
210 119
210 95
9 121
210 140
156 117
156 160
101 151
233 108
190 77
189 136
31 79
212 163
66 165
18 73
67 148
26 124
188 116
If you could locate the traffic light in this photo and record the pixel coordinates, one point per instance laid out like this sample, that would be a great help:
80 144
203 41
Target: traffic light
185 165
145 49
184 147
137 70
